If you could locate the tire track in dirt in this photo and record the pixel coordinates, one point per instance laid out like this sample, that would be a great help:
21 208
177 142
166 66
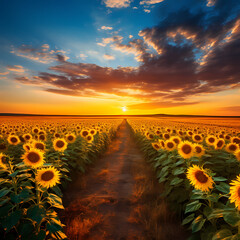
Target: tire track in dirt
105 204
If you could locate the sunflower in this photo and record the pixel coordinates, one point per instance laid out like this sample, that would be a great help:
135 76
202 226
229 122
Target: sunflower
232 147
35 130
198 150
27 146
235 192
235 140
60 144
92 131
166 136
199 178
13 139
89 138
197 138
42 137
48 177
33 158
162 143
84 133
186 149
219 144
156 146
70 138
170 145
3 160
210 140
39 145
237 154
176 139
27 137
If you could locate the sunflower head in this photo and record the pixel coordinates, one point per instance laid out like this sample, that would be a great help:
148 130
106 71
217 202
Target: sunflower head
198 150
176 139
48 177
219 144
186 149
235 192
13 140
70 138
27 137
232 147
170 145
166 136
39 145
27 146
60 144
162 144
33 158
156 146
199 178
197 138
210 140
84 133
3 161
89 138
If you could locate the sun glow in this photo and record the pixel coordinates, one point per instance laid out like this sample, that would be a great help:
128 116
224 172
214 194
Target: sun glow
124 109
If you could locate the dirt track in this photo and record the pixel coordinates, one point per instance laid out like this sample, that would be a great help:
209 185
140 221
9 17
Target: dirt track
105 203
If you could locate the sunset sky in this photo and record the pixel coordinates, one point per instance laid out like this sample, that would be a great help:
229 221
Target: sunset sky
120 56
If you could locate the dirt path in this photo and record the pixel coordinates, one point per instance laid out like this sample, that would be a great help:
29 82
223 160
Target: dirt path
105 203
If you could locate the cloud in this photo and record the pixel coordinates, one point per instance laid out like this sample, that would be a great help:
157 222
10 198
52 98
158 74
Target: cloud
147 10
149 2
42 54
117 3
16 68
4 73
108 57
106 28
230 109
156 105
83 56
188 54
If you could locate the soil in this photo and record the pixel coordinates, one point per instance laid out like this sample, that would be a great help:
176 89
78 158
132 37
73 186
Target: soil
106 203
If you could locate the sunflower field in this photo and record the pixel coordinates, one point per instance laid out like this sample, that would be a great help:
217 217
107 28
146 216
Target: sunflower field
199 167
37 159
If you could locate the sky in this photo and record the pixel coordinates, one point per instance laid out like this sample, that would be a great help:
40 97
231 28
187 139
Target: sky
120 56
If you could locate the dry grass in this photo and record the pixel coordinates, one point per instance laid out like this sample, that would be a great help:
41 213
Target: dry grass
151 209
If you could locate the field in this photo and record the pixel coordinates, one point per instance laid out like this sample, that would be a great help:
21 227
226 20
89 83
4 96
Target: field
114 178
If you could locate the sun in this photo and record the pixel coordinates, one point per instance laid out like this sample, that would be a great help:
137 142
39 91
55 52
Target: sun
124 109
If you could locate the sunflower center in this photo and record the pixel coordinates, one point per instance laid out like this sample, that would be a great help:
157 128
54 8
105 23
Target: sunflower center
220 143
166 136
27 137
238 192
198 149
201 177
197 137
186 148
33 157
60 144
176 140
156 146
85 133
211 140
13 139
232 147
35 130
47 176
170 144
89 138
70 138
39 146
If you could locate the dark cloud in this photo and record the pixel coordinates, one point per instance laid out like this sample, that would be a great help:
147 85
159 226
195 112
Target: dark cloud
188 53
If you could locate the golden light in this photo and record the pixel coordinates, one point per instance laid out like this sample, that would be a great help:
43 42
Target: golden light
124 109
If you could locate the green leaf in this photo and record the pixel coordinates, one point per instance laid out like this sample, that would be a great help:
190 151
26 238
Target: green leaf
176 181
25 229
193 206
14 174
223 187
178 171
220 235
36 213
232 218
5 209
55 201
188 219
12 219
213 197
4 192
219 179
198 223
